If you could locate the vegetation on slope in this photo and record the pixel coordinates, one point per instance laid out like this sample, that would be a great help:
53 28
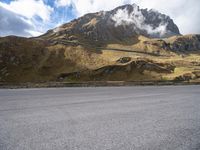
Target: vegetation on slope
38 60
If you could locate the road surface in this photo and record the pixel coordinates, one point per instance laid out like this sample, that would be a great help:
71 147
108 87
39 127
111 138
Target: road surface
103 118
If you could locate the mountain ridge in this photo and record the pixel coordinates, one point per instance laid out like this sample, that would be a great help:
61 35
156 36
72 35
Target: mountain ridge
122 22
76 52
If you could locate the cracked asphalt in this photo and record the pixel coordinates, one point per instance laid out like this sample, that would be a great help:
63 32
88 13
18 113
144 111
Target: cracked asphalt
103 118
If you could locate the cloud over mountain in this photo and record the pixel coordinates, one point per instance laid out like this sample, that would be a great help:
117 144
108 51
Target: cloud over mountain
31 14
43 15
13 24
185 13
139 20
87 6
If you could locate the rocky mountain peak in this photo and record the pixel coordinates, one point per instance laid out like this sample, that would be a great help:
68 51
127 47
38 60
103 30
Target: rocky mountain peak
150 23
122 22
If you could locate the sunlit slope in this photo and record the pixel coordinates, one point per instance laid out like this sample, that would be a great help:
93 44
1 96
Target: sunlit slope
123 44
34 60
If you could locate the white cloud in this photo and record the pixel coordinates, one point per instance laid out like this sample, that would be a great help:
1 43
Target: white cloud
60 3
137 19
87 6
29 8
185 13
34 33
13 24
34 13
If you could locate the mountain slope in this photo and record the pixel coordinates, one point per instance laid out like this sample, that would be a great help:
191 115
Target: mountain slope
104 46
121 23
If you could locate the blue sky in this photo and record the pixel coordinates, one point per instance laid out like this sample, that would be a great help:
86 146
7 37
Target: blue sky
35 17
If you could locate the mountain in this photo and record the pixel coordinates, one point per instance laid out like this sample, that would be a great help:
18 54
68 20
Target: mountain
123 22
124 44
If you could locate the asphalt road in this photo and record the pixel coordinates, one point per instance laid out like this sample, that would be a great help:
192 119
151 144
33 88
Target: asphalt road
105 118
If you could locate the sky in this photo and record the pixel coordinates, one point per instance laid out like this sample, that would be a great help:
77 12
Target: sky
34 17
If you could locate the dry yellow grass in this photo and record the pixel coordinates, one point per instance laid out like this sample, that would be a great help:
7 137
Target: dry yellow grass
38 62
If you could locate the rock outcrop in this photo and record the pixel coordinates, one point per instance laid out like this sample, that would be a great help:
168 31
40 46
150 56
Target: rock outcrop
121 23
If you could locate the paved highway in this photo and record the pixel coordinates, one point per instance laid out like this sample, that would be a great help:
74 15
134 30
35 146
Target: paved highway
103 118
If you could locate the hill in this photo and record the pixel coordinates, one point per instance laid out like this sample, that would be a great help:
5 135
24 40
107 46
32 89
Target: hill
142 45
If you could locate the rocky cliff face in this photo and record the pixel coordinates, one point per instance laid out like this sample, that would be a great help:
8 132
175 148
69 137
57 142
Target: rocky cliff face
121 23
184 43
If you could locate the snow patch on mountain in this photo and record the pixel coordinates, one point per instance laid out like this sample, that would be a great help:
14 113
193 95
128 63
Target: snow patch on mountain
136 18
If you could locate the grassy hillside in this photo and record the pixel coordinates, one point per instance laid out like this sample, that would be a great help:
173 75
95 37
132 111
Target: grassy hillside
136 59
